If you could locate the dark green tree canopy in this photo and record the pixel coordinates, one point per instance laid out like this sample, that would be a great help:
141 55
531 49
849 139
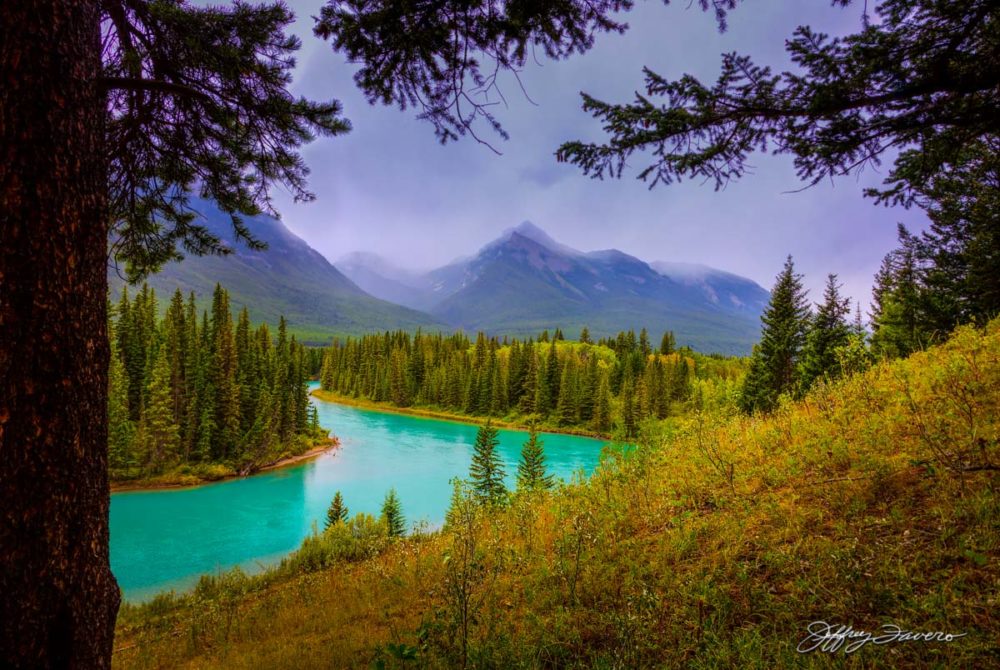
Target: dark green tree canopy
957 260
950 273
198 103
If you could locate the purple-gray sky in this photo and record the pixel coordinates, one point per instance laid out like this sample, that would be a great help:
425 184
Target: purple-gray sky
390 188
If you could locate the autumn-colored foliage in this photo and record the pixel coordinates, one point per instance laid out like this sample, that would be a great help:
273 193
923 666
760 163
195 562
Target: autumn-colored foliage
713 542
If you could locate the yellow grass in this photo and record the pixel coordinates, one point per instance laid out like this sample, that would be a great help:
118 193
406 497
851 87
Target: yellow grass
712 544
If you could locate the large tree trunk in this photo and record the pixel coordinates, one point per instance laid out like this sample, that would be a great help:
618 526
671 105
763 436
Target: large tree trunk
58 598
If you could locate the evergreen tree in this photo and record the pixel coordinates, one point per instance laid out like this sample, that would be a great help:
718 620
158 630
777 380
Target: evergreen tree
566 406
588 390
680 380
120 427
314 426
223 378
157 432
585 335
858 324
901 320
644 346
202 448
828 332
668 343
549 390
337 512
529 389
630 423
531 473
487 472
498 387
957 259
392 515
194 373
262 435
602 405
175 341
774 368
247 374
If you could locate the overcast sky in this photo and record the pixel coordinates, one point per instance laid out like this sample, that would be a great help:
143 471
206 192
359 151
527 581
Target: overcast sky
390 188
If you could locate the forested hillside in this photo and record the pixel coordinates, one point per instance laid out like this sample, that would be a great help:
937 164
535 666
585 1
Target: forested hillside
711 542
524 281
288 279
193 397
587 385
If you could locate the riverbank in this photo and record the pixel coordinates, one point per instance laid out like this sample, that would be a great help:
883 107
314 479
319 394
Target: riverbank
441 415
187 476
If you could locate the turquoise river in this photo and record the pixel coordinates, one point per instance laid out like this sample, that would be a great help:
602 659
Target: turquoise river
165 539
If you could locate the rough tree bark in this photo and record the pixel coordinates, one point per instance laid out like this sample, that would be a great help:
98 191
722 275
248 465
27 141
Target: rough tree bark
58 598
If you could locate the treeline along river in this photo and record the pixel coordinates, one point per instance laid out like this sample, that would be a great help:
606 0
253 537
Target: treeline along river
166 538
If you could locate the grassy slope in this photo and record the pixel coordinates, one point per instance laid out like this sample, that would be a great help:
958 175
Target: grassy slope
841 508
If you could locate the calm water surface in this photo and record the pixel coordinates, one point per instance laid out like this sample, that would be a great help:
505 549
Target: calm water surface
165 539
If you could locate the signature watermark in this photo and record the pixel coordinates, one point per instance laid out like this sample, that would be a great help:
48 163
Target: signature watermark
831 638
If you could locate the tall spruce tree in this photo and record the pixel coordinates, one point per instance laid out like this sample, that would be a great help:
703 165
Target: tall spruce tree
529 387
392 515
223 378
900 323
158 433
337 512
588 389
630 414
548 383
120 427
602 405
531 474
774 365
567 409
828 332
486 473
958 256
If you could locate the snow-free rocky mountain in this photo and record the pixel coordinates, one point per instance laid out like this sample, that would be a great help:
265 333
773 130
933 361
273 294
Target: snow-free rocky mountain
524 282
289 278
519 284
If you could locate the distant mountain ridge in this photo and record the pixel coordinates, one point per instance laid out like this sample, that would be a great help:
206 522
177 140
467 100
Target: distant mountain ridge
525 281
289 278
519 284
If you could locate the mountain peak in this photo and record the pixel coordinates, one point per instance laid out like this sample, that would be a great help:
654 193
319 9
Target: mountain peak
534 233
